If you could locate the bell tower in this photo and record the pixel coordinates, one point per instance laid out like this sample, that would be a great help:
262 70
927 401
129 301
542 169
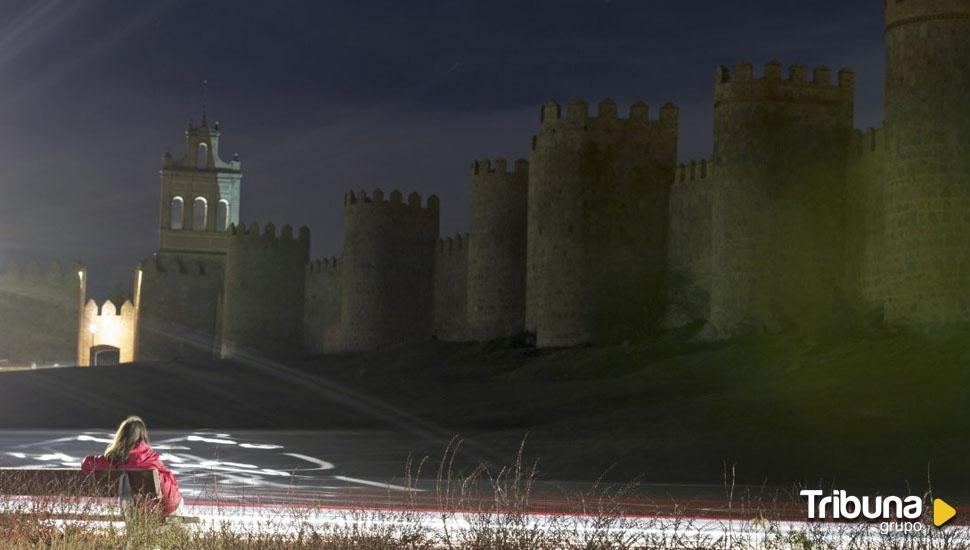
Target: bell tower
200 194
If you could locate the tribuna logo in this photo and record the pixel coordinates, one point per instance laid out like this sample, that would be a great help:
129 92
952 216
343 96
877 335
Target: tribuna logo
894 513
840 505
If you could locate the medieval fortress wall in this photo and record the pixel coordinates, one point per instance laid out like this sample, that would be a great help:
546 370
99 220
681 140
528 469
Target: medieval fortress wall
321 314
495 293
689 259
451 289
797 221
780 144
865 219
926 267
387 269
597 221
264 291
40 309
181 297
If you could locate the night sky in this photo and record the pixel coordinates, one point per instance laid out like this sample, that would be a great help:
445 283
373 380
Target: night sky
322 96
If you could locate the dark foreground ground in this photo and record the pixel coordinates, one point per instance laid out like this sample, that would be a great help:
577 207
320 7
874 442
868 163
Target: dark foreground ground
882 413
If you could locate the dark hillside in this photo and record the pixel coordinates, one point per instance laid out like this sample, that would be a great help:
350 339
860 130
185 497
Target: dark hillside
860 412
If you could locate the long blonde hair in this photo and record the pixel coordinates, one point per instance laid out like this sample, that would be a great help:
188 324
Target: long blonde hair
130 432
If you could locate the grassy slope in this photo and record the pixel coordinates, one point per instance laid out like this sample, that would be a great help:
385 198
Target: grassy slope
860 412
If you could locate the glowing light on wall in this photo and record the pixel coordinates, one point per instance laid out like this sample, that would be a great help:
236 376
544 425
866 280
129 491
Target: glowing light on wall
108 327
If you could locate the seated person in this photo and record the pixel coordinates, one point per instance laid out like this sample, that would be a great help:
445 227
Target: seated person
130 450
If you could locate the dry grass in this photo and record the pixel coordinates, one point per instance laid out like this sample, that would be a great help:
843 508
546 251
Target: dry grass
486 508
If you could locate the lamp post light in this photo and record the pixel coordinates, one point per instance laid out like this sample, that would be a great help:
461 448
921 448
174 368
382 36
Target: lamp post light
93 330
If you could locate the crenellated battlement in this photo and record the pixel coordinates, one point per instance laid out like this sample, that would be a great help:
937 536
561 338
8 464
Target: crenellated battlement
903 12
394 200
741 84
324 266
868 141
33 271
694 171
607 115
108 309
173 266
500 166
557 128
453 245
797 74
268 233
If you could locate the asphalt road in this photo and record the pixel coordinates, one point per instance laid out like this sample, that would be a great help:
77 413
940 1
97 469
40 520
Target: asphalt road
362 469
261 466
366 469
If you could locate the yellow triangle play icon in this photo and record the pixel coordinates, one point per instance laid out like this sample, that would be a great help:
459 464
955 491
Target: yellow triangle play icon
942 512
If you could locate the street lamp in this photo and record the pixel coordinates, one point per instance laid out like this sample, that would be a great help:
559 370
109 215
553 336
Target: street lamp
92 329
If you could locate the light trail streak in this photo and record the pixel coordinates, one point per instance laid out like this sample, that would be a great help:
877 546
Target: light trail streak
290 521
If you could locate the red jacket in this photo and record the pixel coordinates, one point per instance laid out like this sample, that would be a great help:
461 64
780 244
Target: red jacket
142 457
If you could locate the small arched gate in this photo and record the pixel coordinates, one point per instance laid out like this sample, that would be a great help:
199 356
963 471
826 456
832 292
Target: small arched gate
105 355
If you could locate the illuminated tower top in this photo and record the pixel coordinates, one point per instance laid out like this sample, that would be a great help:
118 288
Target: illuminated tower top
200 194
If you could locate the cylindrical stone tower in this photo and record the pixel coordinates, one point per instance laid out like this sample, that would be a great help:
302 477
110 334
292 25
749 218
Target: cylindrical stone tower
387 269
497 249
927 195
598 194
778 213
